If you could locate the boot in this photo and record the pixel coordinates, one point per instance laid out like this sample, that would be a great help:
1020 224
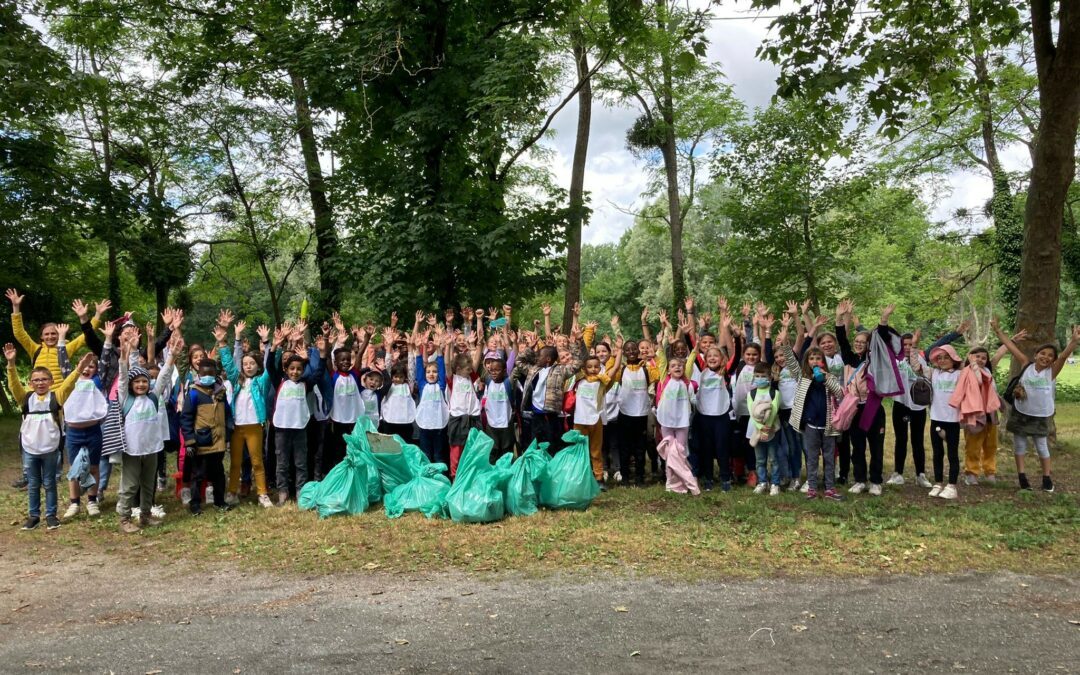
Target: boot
128 526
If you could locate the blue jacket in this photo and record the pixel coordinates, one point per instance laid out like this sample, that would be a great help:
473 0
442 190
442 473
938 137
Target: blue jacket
260 384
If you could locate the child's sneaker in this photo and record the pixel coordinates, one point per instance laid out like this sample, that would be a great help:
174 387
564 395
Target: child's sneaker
857 488
794 485
948 492
264 501
774 490
161 484
185 496
148 521
31 523
875 489
832 494
92 509
895 479
209 498
991 478
231 498
922 481
20 484
1024 484
725 486
72 511
618 477
751 480
811 493
1048 485
157 511
52 522
761 488
806 487
605 479
707 486
129 526
970 479
936 490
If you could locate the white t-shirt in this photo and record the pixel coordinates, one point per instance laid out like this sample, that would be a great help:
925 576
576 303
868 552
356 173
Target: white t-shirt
398 406
39 433
142 429
463 399
540 388
742 387
673 408
944 385
1040 387
244 406
432 412
85 404
587 402
713 396
291 410
497 405
787 386
634 393
346 406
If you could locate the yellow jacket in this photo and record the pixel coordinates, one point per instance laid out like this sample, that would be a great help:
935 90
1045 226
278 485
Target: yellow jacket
47 357
62 389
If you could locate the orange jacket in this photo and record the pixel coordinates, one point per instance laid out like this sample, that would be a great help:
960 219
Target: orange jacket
974 395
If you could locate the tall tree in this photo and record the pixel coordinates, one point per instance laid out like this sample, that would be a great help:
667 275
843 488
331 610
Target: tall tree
684 105
900 52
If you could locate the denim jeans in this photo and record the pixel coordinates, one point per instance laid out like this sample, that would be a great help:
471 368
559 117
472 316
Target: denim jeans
817 444
41 470
791 450
766 452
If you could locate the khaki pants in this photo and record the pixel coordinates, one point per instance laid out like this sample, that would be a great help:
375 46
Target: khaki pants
251 437
595 434
138 474
980 451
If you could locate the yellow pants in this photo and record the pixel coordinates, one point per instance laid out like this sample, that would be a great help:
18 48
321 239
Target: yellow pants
250 436
980 451
595 434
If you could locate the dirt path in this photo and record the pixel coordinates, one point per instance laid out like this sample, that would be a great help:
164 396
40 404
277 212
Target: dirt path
85 614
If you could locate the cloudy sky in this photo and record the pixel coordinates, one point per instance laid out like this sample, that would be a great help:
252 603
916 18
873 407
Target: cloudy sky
614 177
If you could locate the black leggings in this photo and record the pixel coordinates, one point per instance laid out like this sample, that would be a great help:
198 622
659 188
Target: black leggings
714 434
873 437
904 417
843 452
632 442
939 444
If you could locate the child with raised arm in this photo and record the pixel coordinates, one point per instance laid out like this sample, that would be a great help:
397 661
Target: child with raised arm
142 432
250 393
812 411
943 373
1033 400
341 388
675 396
84 411
591 390
40 433
432 410
44 354
464 401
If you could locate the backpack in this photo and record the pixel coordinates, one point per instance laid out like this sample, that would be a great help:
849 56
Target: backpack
1014 390
844 414
921 392
54 407
570 399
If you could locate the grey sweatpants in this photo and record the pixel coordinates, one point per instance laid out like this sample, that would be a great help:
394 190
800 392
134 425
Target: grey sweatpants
816 443
139 474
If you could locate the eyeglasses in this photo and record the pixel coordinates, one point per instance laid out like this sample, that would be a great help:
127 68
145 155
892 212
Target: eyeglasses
40 380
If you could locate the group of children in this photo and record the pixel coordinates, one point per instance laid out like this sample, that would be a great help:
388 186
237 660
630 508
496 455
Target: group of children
704 398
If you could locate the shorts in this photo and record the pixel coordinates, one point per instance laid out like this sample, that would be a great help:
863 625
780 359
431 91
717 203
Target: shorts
1026 425
89 438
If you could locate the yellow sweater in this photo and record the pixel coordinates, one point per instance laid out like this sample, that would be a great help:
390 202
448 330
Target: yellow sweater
62 389
48 357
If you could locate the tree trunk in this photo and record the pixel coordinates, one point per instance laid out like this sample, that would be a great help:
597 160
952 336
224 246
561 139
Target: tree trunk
811 277
1053 169
114 276
161 297
577 181
326 241
671 171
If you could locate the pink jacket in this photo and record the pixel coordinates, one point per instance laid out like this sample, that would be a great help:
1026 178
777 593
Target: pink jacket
975 395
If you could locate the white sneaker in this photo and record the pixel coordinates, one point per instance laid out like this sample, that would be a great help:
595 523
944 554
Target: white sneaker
92 509
185 496
895 479
605 476
761 488
936 490
970 480
990 478
774 490
264 501
72 511
922 481
231 498
157 511
618 477
794 485
875 489
209 499
805 487
857 488
949 492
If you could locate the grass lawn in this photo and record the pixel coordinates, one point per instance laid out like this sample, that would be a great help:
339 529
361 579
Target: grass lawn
638 531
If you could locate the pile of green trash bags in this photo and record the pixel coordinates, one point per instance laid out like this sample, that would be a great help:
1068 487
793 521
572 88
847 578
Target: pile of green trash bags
386 468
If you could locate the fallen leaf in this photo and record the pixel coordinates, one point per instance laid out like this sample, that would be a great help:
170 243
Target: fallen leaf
1074 622
330 551
377 592
372 566
467 592
492 616
236 671
401 641
798 628
620 608
635 653
184 622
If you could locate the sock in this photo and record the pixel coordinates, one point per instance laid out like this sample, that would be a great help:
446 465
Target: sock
75 501
91 498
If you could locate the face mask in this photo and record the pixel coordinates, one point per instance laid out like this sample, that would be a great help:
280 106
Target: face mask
760 382
819 374
207 380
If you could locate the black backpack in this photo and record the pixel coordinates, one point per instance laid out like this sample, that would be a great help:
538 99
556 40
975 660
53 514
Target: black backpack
922 392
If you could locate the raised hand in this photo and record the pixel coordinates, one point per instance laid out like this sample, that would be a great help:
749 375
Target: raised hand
915 337
479 313
507 310
722 304
577 309
762 310
225 317
468 313
238 329
263 331
393 319
1020 336
886 313
10 353
176 343
546 309
615 322
15 299
792 307
150 330
662 314
340 325
62 329
644 314
178 319
492 313
219 333
167 316
84 362
688 303
108 329
80 309
746 311
963 327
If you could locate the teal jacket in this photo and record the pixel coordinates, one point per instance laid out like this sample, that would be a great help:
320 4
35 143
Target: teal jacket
260 384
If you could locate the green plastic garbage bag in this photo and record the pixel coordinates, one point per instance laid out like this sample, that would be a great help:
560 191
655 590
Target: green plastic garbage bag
424 492
343 490
357 441
523 489
390 459
477 493
568 482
